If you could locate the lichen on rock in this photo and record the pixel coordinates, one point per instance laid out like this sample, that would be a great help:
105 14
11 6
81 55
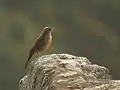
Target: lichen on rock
66 72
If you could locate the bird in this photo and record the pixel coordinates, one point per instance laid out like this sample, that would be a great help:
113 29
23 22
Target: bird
42 43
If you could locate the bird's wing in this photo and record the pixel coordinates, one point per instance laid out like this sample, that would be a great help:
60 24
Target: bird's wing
39 43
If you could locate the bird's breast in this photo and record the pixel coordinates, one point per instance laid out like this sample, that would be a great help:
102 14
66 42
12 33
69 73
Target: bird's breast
47 42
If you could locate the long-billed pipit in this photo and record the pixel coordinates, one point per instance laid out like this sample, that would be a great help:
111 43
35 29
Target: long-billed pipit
42 43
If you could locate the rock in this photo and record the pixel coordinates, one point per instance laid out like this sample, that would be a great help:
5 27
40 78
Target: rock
67 72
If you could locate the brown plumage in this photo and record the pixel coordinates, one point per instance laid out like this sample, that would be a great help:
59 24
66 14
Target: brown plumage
43 43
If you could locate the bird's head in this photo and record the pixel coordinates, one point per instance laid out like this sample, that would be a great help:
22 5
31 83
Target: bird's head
47 29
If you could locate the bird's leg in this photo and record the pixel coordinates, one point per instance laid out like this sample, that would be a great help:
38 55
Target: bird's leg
40 53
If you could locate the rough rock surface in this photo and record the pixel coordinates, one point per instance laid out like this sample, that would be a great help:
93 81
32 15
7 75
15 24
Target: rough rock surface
67 72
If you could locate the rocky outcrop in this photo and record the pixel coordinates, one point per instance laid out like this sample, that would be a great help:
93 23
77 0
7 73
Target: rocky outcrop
67 72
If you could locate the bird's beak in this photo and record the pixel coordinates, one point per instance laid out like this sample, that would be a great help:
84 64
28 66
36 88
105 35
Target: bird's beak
52 29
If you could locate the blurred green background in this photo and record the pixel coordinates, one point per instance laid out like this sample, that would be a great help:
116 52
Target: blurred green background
87 28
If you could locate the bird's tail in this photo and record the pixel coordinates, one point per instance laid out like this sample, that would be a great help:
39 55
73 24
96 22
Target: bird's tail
30 55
